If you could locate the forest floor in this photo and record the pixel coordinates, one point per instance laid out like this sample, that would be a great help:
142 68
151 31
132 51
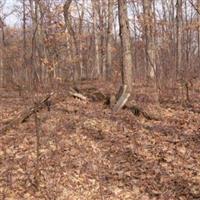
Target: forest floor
87 152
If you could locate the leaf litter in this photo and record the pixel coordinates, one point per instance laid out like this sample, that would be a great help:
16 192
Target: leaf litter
88 152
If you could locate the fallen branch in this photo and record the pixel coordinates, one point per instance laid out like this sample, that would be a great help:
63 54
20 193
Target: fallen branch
121 102
90 93
122 99
138 111
23 116
74 93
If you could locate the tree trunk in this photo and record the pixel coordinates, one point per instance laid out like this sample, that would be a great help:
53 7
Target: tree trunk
96 72
178 36
149 38
198 33
127 62
109 41
71 31
24 42
1 58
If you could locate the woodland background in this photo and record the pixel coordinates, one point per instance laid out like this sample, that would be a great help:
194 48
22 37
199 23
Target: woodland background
45 49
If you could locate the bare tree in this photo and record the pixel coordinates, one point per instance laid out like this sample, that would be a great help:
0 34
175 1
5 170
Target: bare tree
178 36
1 51
149 27
109 40
95 7
72 33
127 64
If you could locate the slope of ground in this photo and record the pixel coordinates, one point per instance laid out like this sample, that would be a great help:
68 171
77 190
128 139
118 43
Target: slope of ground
88 152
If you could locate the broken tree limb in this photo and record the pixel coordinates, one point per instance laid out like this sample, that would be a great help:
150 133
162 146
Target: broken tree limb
122 98
77 95
93 94
24 115
138 111
121 102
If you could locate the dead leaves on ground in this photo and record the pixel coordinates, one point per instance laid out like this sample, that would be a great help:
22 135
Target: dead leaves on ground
87 152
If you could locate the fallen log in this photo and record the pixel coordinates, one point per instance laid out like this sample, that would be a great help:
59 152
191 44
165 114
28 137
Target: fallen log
93 94
25 115
77 95
138 111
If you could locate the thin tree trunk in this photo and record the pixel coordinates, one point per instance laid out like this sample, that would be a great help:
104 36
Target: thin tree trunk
198 32
109 41
1 58
178 37
96 69
24 42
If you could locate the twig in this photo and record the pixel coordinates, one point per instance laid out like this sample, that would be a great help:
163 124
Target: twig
23 116
37 130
